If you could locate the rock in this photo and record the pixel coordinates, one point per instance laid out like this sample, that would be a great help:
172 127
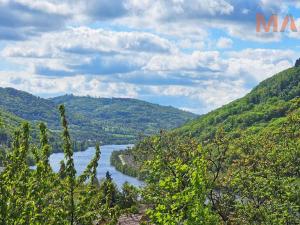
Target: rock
132 219
297 64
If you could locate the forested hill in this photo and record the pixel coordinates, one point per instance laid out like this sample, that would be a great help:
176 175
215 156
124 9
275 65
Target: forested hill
28 106
264 110
125 114
109 120
8 123
271 100
250 152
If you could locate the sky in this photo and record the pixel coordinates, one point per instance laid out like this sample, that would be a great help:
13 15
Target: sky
195 55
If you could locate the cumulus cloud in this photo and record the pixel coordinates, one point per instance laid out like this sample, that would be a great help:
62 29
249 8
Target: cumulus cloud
237 18
198 61
255 65
78 85
209 94
224 42
22 19
88 51
105 9
206 78
84 40
157 50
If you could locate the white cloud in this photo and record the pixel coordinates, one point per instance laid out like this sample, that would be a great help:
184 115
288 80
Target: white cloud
259 63
86 40
78 85
198 60
205 77
224 42
49 6
172 9
163 49
74 47
292 34
210 94
189 44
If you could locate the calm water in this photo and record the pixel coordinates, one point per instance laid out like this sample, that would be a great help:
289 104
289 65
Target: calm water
81 159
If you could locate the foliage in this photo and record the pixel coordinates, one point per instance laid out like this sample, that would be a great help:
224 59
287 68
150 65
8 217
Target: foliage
241 166
11 122
177 183
40 196
266 105
266 176
253 179
251 154
129 196
124 167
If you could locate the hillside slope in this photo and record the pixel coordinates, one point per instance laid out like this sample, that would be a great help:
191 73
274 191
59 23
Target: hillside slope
111 121
270 100
8 123
264 110
28 106
250 151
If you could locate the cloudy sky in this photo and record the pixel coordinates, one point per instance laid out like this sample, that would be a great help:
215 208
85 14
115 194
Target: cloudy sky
192 54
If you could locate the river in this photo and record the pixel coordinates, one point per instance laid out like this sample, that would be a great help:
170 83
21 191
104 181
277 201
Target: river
81 160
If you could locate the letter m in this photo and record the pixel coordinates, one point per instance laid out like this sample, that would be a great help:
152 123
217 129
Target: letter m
260 20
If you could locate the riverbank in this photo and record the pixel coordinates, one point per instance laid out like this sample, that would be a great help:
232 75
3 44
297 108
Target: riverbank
81 159
124 162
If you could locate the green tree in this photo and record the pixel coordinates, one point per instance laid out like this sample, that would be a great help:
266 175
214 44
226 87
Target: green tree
177 183
265 178
40 196
70 171
129 196
88 207
15 181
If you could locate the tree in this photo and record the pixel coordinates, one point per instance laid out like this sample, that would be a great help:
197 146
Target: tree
15 180
40 196
70 171
177 183
108 197
129 196
89 206
259 184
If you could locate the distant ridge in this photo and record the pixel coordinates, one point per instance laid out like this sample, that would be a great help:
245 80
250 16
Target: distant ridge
108 120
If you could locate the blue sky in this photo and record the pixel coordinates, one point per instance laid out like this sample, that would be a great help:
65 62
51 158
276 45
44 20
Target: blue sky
192 54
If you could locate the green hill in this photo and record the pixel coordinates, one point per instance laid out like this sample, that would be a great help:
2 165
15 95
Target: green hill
28 106
8 123
120 120
263 110
270 100
245 153
109 120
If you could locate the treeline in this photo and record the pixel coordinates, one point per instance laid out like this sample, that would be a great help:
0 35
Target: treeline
77 146
125 168
41 196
